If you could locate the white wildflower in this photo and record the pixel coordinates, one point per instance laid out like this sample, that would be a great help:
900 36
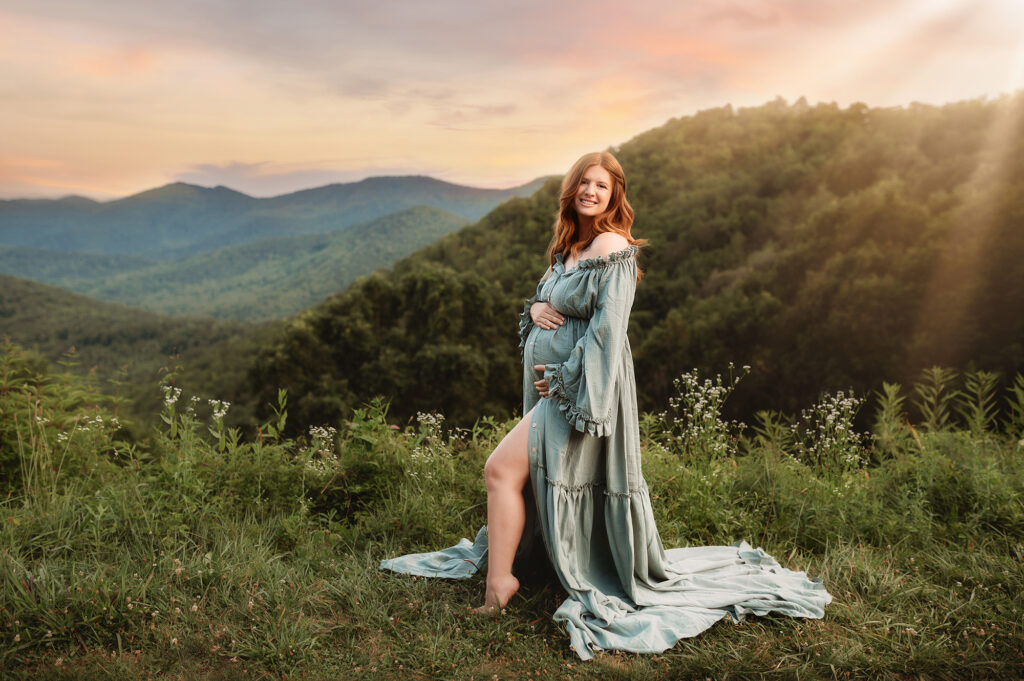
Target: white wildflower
171 394
220 408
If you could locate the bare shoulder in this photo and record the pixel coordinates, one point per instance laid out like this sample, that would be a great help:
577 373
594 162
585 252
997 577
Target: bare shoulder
608 242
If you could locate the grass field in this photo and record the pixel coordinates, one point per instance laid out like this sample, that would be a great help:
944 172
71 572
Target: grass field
196 555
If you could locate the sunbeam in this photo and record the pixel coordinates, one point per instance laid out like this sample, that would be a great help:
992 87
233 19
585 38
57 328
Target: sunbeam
943 319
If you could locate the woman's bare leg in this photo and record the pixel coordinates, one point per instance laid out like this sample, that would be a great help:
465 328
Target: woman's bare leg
506 473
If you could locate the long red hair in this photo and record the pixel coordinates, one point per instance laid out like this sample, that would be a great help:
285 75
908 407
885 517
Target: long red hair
617 218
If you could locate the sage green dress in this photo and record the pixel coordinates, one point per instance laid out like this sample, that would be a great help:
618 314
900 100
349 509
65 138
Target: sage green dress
587 500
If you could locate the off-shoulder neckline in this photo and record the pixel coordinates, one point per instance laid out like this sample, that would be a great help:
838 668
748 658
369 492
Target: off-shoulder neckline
599 261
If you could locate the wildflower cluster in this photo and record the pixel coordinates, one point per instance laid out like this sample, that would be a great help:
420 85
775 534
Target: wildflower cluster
829 438
423 454
96 422
220 409
325 455
171 394
83 425
430 424
698 425
321 436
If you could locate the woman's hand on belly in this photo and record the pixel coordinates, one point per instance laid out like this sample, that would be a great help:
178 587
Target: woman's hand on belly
541 385
545 316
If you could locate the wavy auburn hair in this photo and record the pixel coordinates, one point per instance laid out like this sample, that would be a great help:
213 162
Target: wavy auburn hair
617 218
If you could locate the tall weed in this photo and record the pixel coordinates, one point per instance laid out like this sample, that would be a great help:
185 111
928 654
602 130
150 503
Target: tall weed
892 434
934 395
976 403
1014 422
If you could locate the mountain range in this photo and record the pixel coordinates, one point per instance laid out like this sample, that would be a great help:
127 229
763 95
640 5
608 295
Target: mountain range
188 250
180 219
255 281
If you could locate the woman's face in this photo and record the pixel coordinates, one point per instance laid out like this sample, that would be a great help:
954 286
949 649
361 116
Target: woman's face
594 191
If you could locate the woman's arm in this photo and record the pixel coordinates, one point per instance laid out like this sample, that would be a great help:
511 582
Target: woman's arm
586 384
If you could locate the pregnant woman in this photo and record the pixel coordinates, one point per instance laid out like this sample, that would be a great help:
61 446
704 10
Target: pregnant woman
569 472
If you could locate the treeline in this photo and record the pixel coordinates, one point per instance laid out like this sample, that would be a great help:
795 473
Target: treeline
828 248
128 352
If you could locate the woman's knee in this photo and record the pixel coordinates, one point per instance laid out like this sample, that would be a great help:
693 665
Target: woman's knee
506 466
509 464
492 472
496 470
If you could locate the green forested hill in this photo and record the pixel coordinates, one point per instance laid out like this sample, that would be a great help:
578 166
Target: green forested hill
255 281
136 347
63 268
105 335
828 248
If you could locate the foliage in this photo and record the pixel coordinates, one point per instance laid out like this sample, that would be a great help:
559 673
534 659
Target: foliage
934 396
126 350
1014 423
209 555
830 442
698 428
892 433
51 415
429 335
828 248
978 401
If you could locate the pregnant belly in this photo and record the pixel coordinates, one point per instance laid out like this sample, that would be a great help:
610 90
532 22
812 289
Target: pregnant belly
552 346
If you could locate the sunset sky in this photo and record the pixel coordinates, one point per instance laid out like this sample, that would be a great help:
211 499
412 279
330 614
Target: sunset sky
110 97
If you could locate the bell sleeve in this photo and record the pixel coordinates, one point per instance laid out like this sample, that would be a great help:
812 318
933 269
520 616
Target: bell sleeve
526 321
586 384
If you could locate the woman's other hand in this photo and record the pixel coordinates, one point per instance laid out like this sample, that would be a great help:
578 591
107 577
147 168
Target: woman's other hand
542 384
545 316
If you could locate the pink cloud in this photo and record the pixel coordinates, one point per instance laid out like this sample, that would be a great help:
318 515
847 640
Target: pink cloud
114 63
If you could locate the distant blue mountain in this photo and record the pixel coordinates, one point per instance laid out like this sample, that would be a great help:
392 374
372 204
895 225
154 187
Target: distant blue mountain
179 219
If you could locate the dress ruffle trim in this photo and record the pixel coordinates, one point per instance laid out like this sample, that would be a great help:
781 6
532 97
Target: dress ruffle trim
626 255
578 419
592 487
526 324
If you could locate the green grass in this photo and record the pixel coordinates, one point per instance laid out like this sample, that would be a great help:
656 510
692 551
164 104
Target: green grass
203 556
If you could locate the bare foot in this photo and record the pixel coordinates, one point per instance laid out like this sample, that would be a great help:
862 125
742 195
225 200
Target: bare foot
498 595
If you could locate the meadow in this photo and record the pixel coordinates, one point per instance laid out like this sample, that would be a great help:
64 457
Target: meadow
196 552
